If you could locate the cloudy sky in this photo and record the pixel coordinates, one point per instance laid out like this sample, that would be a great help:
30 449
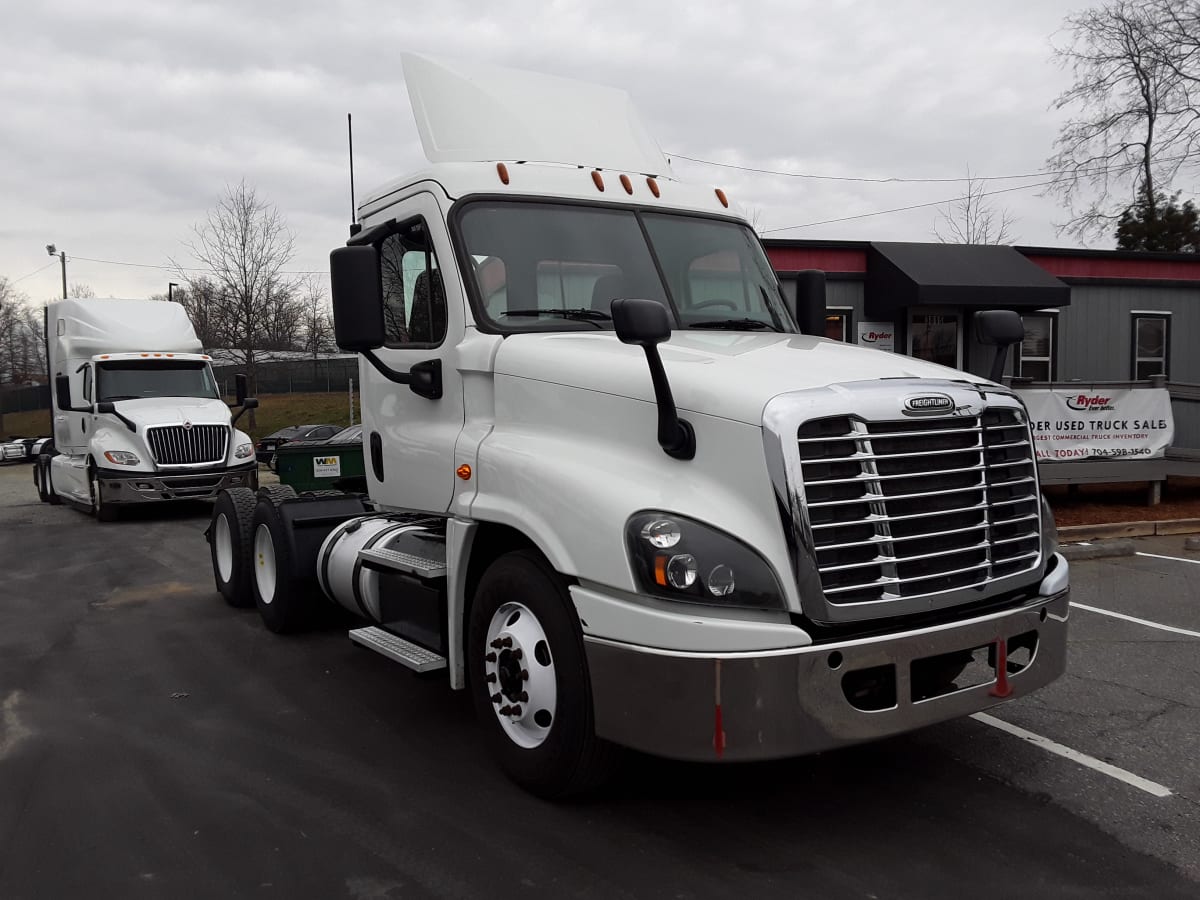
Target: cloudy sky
124 120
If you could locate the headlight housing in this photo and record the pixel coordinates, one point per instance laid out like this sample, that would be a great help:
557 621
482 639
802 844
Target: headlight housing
243 451
122 457
678 558
1049 531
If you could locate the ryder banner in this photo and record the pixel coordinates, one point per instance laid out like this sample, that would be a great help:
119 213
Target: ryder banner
1099 423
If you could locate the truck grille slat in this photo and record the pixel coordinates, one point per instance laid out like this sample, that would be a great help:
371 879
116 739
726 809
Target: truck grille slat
174 445
901 510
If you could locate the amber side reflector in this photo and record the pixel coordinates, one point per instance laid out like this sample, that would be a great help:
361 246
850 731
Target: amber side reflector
463 472
660 571
653 187
627 184
722 198
599 182
502 171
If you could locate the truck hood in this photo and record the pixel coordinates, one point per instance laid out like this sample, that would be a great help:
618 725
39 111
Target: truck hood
728 374
150 411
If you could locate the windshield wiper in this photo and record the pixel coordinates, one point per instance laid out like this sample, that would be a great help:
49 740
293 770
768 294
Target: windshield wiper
735 324
115 397
588 315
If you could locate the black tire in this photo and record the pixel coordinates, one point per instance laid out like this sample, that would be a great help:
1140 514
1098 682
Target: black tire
48 478
231 545
277 493
286 603
37 478
570 759
104 512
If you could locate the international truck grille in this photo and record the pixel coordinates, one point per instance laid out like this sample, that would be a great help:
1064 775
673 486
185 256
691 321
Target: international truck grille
175 445
905 509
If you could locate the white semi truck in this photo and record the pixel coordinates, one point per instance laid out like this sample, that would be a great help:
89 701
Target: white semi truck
137 413
617 494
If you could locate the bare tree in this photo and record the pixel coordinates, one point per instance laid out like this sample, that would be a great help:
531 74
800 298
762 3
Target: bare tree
318 320
1132 124
81 291
22 351
245 245
972 219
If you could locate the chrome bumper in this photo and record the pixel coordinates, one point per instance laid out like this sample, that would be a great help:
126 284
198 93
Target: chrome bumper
767 705
153 487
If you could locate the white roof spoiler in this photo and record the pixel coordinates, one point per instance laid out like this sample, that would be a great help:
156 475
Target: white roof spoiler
468 112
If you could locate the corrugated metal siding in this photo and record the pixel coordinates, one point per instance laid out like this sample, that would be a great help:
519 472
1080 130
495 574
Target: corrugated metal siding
1095 331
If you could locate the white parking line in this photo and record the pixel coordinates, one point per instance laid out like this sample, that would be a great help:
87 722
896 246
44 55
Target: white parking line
1098 765
1146 622
1194 562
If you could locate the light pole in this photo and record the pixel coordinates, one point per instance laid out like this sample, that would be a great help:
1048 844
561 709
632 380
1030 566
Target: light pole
171 291
53 251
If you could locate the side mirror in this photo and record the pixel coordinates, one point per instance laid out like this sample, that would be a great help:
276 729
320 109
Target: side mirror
999 328
641 322
239 382
62 394
809 311
249 403
647 324
106 406
357 292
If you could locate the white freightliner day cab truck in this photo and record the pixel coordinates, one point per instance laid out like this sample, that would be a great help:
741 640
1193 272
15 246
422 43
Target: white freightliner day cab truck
137 414
612 489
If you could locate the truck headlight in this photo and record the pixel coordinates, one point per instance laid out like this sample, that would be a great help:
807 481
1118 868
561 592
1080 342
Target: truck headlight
243 451
1049 531
677 558
121 457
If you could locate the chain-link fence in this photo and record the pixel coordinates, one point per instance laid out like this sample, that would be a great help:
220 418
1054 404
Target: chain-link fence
24 399
298 376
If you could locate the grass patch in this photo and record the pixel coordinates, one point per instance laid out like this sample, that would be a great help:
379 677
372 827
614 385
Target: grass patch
275 411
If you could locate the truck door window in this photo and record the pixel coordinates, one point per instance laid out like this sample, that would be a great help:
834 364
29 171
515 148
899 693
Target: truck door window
414 299
87 383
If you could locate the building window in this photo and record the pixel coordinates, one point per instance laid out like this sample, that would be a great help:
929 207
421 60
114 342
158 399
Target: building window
1035 359
838 325
1151 342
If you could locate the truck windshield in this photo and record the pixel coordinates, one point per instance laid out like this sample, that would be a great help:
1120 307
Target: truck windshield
558 267
135 379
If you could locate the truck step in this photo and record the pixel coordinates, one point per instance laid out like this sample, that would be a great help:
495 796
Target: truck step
397 561
394 647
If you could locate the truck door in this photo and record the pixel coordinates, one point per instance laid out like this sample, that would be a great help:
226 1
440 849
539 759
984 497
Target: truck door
409 440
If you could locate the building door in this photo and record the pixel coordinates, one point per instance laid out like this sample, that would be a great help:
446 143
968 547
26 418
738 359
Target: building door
936 336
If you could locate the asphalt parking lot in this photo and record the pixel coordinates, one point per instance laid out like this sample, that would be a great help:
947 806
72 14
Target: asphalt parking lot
155 742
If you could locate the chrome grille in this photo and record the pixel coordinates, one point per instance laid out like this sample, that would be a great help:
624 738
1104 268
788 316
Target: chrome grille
910 508
174 445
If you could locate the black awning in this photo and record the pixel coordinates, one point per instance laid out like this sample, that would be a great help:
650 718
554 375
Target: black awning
975 276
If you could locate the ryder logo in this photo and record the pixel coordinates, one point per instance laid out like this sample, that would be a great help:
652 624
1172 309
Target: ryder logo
1090 402
872 337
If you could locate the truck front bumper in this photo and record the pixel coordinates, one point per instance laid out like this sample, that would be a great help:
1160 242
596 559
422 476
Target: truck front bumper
789 702
143 487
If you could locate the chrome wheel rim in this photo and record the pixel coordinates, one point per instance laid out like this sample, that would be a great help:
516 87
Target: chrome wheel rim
223 545
519 675
264 564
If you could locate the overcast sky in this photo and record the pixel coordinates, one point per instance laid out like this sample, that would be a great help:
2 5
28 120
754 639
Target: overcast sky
124 120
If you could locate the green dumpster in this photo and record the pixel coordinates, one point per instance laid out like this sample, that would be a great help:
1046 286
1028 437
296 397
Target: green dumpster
320 465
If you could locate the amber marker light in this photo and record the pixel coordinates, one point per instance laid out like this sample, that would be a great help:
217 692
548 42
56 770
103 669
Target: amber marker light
599 182
721 196
627 184
653 187
463 472
502 171
660 571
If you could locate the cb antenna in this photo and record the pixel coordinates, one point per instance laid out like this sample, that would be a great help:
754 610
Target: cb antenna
355 228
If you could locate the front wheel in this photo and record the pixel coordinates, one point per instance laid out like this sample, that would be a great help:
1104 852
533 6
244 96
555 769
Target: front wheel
104 512
529 679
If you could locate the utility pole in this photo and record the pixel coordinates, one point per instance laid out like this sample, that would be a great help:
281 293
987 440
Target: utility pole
54 251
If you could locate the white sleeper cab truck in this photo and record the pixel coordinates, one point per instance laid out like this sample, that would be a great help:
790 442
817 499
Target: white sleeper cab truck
617 494
137 414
